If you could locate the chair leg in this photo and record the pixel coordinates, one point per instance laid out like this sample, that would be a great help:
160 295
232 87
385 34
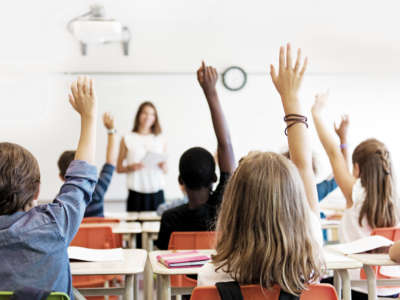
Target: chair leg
77 294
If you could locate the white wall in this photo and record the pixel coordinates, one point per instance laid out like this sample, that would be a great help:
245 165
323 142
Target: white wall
353 49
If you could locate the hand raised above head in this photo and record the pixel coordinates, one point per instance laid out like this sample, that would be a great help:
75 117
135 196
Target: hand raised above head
82 97
321 101
289 78
207 76
343 127
108 120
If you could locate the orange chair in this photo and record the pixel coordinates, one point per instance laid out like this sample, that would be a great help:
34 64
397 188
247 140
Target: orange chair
95 238
391 233
94 220
255 292
189 241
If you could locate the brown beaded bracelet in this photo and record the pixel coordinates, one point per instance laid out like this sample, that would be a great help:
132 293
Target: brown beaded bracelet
292 117
294 123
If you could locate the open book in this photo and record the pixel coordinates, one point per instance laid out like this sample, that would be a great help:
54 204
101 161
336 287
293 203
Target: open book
86 254
362 245
183 259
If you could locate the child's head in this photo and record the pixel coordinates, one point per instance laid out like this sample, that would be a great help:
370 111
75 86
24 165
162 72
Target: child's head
19 179
373 165
264 231
63 162
147 118
197 169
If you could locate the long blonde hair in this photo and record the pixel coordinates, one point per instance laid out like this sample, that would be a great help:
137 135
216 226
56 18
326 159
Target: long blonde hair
376 174
263 229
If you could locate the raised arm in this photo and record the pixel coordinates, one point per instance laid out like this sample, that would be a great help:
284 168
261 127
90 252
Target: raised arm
111 156
341 172
83 100
287 82
207 77
341 132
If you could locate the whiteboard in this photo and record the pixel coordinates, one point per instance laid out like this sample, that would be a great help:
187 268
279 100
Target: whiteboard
36 114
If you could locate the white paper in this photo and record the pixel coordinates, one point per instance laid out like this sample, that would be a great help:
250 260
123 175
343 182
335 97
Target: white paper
152 159
362 245
87 254
390 271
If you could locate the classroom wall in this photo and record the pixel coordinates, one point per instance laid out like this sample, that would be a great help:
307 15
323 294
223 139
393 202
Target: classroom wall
350 53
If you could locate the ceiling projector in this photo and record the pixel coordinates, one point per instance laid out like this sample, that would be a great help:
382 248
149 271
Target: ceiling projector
94 28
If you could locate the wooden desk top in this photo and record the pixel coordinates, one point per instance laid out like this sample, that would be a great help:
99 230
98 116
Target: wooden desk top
133 263
374 259
151 227
120 228
123 215
148 216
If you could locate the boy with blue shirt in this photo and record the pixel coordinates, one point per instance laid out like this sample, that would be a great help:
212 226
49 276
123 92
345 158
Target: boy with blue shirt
34 239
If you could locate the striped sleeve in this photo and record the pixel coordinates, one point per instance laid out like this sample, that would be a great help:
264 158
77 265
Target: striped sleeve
96 206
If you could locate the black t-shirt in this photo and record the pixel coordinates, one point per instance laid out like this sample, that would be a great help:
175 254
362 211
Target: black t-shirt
182 218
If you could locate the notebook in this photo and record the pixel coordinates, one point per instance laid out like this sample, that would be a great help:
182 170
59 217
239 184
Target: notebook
183 259
362 245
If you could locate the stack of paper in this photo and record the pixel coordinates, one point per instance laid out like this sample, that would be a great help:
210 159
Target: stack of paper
183 259
86 254
362 245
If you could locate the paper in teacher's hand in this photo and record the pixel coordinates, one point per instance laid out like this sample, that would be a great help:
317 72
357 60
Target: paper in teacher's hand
152 159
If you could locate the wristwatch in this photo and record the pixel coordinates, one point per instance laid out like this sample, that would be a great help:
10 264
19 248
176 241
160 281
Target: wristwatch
112 131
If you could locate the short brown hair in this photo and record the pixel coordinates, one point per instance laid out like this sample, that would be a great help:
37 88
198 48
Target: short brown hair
64 161
156 127
376 174
264 233
19 178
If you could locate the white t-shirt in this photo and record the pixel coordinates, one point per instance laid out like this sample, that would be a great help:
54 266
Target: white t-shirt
350 230
146 180
207 275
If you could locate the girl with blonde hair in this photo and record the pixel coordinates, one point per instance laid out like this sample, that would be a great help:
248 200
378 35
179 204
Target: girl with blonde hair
268 229
371 200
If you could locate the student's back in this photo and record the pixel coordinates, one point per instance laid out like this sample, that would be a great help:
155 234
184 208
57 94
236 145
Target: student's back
197 172
34 239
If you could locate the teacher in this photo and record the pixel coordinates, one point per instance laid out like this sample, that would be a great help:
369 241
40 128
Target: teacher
142 155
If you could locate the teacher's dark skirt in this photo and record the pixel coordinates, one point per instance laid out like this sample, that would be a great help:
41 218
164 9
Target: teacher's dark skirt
144 202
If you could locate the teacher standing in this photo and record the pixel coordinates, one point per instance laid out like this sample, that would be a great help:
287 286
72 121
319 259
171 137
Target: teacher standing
145 182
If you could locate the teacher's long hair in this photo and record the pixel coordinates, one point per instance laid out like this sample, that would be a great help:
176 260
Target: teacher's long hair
155 128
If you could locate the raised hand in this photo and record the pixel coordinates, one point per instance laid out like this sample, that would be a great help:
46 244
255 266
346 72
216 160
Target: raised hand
207 77
135 167
343 127
321 101
289 78
108 121
82 97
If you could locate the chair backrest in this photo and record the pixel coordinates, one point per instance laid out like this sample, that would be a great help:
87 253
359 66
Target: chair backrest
391 233
53 296
255 292
94 237
192 240
100 220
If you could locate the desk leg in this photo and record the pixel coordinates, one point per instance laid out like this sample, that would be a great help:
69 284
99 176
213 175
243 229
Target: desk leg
346 284
135 288
337 283
148 281
371 280
163 287
128 287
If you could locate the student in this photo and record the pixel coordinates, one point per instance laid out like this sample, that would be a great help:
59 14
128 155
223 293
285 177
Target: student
268 229
197 172
96 206
370 191
394 252
34 240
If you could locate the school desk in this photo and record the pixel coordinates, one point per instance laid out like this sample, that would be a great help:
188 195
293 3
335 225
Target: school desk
148 216
123 215
368 261
336 262
149 234
132 264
